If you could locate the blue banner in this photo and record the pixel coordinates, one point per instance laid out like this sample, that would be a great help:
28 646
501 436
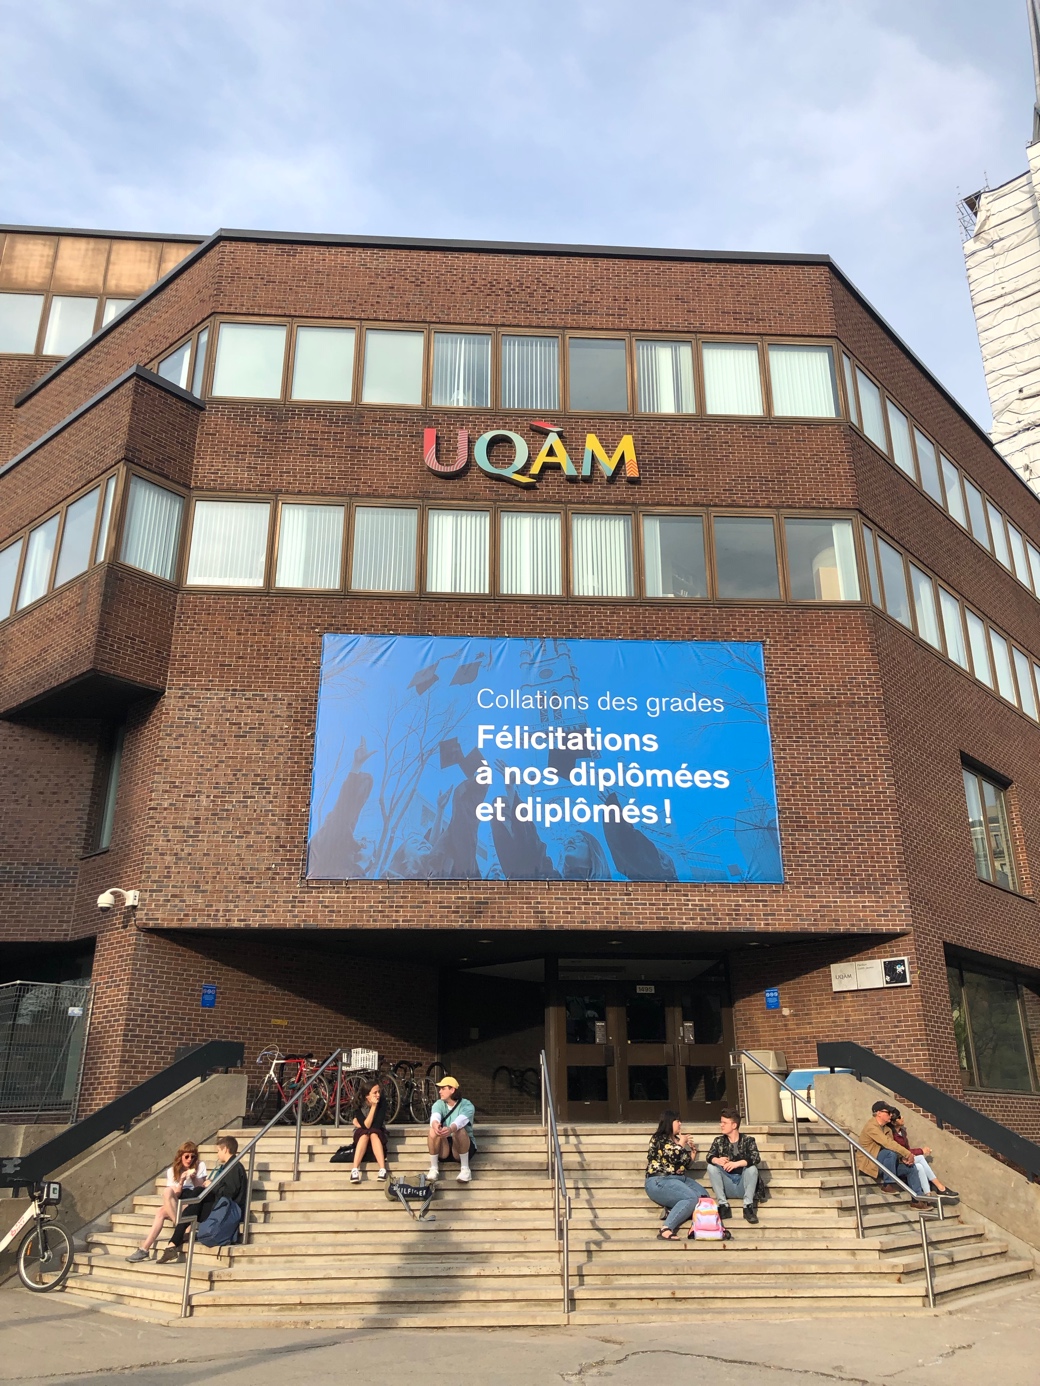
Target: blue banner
542 760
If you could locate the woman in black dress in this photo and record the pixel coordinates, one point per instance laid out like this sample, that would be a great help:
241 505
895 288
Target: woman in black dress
369 1119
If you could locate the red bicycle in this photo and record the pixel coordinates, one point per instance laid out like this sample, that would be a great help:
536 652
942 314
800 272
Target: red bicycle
286 1075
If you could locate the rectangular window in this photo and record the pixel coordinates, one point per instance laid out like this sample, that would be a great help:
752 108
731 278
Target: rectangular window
601 552
1026 693
979 646
1002 665
69 324
665 377
1034 565
928 466
850 389
113 307
198 375
732 378
393 367
106 520
597 374
9 560
803 381
872 568
952 488
310 547
953 628
250 360
673 554
77 537
323 364
1019 561
870 405
993 1020
462 369
531 547
893 580
924 607
384 549
151 531
20 322
228 544
530 373
174 367
902 452
976 513
114 764
745 557
39 558
821 560
996 529
457 550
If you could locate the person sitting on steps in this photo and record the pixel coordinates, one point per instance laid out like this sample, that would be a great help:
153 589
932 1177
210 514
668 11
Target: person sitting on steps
668 1184
920 1154
886 1160
185 1177
451 1130
733 1166
232 1186
369 1118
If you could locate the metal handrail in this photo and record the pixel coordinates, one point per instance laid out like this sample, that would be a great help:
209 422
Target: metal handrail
853 1147
250 1150
561 1196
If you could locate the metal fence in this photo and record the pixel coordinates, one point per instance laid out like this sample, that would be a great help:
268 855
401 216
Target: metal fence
43 1032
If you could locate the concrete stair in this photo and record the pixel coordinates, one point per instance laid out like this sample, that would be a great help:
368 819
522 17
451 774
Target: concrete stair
326 1252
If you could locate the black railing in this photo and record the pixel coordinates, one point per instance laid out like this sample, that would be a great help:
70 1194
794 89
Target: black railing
22 1171
948 1111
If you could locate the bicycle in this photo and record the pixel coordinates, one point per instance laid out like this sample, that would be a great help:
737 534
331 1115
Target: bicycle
356 1082
285 1077
46 1253
527 1081
419 1093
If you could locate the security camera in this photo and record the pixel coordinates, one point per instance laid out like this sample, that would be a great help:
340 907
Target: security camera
106 900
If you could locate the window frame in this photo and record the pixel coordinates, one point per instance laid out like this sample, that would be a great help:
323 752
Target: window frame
213 348
766 394
206 325
378 503
453 329
290 363
562 384
266 585
729 512
636 551
271 583
625 338
983 775
1008 973
118 522
843 414
564 593
704 514
361 355
687 339
488 508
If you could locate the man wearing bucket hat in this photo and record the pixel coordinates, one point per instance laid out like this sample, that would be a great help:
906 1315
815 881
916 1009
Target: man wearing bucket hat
451 1130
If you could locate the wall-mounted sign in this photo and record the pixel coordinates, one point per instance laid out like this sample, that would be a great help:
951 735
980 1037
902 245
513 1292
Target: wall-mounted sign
505 455
208 1000
440 758
772 998
870 974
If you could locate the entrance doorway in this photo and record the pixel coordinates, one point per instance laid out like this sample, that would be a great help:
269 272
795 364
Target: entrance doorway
659 1037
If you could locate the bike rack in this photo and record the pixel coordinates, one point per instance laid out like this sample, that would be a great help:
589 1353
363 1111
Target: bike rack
250 1150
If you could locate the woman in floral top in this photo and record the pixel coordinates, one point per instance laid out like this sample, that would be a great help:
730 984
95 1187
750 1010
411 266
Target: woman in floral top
667 1182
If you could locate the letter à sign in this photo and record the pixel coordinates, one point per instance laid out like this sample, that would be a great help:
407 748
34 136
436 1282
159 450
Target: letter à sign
506 455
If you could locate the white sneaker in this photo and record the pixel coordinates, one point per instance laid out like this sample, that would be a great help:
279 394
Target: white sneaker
355 1176
382 1174
464 1176
432 1174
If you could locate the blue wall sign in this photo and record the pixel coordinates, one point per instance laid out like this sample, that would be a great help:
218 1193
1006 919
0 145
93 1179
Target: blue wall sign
772 998
209 997
543 760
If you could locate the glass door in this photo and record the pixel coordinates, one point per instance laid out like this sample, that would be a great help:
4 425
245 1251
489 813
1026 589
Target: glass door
590 1080
648 1076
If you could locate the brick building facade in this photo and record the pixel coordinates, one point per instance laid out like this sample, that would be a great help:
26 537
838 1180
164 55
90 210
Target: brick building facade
157 728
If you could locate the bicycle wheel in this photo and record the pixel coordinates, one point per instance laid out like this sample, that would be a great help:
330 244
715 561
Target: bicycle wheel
391 1095
420 1102
259 1108
45 1257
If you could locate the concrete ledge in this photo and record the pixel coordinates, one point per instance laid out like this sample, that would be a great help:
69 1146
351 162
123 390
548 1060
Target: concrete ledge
1003 1200
116 1167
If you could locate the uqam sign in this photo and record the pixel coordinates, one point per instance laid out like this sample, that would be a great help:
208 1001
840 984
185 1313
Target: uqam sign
507 456
444 758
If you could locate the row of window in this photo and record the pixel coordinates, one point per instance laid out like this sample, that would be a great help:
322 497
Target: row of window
510 370
996 1021
901 439
438 549
922 604
53 324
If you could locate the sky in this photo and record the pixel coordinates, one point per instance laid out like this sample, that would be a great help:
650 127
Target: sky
850 127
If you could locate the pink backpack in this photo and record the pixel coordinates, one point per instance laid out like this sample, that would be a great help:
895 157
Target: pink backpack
707 1225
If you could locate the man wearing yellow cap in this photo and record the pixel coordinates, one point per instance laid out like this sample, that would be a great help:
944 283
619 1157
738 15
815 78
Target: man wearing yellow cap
451 1130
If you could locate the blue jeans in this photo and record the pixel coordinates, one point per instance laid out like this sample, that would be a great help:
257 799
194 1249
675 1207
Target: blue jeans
675 1191
892 1167
743 1183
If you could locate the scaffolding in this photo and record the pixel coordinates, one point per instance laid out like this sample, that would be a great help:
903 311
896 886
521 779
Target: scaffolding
43 1032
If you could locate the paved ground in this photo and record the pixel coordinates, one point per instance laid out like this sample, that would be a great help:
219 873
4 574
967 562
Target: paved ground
54 1338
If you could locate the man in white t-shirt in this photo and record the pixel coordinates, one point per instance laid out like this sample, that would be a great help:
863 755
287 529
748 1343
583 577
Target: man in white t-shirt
451 1130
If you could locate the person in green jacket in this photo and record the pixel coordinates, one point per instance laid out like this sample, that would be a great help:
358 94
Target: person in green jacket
451 1130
